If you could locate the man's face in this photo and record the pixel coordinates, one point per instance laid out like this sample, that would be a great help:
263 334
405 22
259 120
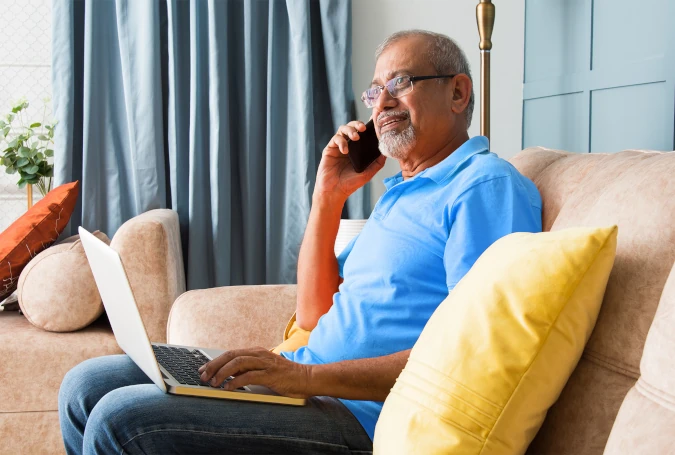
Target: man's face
421 120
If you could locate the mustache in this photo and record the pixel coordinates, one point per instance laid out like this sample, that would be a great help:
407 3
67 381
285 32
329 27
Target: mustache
383 115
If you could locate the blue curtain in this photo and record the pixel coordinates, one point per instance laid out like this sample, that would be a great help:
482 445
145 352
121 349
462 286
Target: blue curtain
217 109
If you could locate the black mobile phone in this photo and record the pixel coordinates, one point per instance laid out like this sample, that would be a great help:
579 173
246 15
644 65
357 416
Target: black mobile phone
365 150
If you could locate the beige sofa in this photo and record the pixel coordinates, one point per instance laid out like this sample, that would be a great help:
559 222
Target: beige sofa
34 361
632 189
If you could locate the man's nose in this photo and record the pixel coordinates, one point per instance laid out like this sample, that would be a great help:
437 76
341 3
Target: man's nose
385 101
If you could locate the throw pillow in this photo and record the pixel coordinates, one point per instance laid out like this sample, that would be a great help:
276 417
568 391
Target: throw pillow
294 337
57 291
498 351
34 231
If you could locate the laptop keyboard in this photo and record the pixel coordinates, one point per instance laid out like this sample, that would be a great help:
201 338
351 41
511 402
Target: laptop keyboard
183 364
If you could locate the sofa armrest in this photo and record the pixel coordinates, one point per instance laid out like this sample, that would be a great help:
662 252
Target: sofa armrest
150 247
232 317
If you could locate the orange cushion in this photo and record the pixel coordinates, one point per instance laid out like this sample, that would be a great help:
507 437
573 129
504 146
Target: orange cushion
34 231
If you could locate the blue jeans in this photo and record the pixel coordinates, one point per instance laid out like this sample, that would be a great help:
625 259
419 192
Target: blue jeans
107 405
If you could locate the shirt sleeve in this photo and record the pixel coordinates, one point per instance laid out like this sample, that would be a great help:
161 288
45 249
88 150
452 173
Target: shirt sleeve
482 215
342 257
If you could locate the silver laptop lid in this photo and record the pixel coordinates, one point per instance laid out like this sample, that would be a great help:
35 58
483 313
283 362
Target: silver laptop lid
120 305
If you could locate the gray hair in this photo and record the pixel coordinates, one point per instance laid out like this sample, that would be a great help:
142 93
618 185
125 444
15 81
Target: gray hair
445 56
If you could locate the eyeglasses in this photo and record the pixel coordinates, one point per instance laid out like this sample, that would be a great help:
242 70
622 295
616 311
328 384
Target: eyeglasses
397 87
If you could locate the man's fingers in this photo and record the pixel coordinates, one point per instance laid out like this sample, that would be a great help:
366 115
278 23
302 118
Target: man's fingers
359 125
236 367
209 369
251 377
349 131
340 142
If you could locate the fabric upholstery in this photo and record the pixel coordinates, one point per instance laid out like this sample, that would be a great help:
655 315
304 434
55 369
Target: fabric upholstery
646 421
34 361
30 433
232 317
631 189
497 352
34 231
57 291
150 248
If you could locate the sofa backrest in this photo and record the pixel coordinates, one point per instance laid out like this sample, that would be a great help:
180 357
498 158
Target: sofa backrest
634 190
646 421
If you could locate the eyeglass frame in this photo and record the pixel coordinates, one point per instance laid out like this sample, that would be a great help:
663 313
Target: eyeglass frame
412 79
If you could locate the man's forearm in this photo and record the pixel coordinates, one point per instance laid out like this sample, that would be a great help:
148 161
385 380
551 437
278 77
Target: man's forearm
363 379
317 267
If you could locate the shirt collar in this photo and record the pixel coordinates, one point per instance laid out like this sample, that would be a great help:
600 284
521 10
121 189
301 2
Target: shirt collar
441 171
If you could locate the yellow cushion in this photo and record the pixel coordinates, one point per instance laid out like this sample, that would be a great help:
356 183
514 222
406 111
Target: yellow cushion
498 351
294 337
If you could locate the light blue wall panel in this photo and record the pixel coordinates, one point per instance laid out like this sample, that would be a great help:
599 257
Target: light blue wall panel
628 32
555 122
631 117
599 74
556 37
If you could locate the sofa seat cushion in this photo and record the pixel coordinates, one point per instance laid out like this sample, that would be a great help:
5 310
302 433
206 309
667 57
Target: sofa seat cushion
34 361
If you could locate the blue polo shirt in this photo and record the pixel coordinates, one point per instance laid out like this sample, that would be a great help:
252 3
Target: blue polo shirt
424 234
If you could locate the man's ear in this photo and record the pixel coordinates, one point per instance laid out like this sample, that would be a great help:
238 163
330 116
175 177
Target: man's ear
461 92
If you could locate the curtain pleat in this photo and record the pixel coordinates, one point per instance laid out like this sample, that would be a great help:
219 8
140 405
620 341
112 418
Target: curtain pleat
216 109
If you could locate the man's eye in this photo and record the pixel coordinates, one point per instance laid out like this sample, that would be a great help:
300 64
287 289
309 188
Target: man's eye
399 81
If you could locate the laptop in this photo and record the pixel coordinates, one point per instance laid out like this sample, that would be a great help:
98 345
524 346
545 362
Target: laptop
172 368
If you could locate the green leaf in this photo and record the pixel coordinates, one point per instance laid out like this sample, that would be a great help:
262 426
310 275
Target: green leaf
50 172
32 169
39 157
33 180
5 132
14 143
25 152
22 162
2 124
10 117
21 183
35 125
49 153
11 170
42 137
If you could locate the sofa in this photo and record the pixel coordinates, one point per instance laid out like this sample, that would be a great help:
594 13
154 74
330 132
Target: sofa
34 361
632 189
619 400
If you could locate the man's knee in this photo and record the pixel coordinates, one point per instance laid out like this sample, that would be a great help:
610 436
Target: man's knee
118 417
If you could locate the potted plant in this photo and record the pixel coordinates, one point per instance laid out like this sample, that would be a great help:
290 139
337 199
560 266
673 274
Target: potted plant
26 148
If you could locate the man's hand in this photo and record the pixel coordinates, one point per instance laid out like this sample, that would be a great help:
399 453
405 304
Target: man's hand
260 367
336 176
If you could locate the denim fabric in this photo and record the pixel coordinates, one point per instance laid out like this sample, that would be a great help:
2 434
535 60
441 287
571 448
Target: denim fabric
107 405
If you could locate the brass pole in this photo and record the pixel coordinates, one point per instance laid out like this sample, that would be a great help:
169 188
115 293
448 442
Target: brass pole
485 17
29 190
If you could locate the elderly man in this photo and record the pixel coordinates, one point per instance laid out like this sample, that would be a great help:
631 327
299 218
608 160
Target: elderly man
452 200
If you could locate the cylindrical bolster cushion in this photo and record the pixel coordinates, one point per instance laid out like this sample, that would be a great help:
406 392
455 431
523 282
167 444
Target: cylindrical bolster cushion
57 291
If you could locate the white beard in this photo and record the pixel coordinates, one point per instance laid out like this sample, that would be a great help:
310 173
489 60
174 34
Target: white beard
398 145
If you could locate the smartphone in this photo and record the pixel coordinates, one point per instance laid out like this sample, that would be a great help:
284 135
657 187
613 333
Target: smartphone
365 150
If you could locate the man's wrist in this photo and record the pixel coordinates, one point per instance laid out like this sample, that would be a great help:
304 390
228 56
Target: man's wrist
325 199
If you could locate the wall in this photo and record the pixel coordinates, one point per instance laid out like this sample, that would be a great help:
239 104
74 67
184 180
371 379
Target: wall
25 62
374 20
599 75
